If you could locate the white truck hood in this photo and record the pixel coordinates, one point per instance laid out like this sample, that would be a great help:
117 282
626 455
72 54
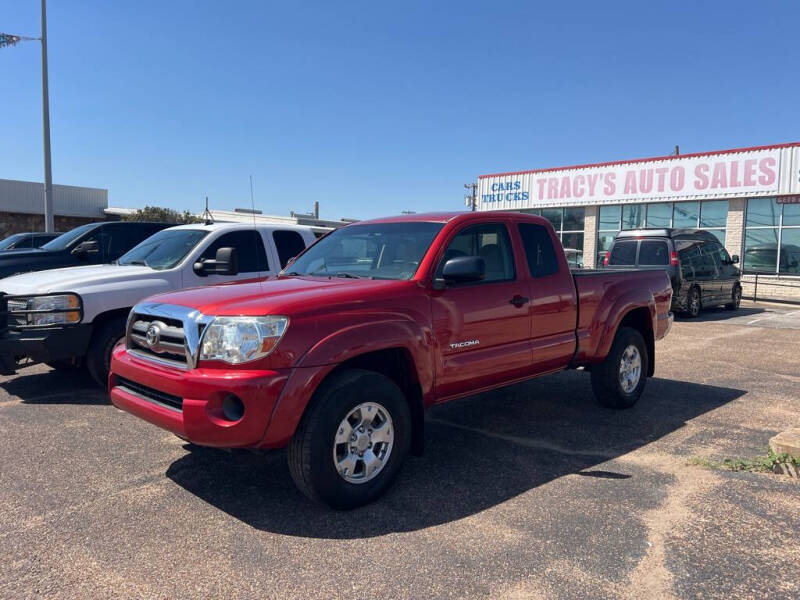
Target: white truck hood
72 279
102 288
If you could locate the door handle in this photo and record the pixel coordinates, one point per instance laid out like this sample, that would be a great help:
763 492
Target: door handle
519 301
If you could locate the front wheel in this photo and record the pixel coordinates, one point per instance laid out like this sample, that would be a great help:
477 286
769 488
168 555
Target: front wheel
98 358
352 439
736 299
619 380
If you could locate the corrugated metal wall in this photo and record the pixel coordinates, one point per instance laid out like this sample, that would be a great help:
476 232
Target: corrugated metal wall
69 201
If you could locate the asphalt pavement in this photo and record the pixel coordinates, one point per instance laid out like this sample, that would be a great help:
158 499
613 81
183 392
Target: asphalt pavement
531 491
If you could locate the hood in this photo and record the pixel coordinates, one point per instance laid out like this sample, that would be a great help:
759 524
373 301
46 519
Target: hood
71 279
286 295
16 253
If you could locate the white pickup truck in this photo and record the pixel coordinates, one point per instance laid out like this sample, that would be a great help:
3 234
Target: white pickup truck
74 316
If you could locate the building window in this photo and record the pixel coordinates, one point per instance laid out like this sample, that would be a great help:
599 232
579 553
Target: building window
711 215
772 237
569 225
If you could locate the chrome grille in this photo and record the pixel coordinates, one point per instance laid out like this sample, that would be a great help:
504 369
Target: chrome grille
165 333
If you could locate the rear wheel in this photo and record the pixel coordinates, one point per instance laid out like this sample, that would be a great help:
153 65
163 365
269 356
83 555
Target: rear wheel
736 298
351 442
693 303
619 380
98 358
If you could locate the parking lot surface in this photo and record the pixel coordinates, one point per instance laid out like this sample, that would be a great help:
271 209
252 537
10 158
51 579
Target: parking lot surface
525 492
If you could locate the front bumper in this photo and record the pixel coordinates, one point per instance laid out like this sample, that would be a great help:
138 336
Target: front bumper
196 413
29 346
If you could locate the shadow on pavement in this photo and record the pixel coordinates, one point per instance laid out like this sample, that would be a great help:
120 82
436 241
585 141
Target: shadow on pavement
71 386
719 313
480 451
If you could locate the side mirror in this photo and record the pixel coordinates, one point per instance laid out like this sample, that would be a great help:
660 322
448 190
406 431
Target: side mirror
87 247
225 263
735 259
464 269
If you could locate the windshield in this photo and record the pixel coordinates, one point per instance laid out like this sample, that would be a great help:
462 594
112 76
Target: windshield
62 241
11 240
165 249
374 251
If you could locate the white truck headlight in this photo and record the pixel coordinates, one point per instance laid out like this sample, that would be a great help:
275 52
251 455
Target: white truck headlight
238 340
57 309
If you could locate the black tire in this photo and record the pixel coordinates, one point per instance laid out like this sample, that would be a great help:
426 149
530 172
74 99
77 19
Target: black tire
606 382
104 338
694 303
65 366
311 450
736 298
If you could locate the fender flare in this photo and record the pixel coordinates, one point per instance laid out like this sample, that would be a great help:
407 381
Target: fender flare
612 314
337 348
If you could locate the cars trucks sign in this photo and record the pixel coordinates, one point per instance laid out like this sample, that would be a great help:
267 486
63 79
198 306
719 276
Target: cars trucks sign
719 175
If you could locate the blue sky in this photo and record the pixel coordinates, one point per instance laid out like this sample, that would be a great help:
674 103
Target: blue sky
377 107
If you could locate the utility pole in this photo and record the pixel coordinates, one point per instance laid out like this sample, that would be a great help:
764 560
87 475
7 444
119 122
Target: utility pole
49 220
471 200
8 40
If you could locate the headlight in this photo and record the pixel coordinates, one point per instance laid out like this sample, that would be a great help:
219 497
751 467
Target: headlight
57 309
241 339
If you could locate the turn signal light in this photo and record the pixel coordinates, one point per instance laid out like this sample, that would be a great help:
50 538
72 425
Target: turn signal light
605 260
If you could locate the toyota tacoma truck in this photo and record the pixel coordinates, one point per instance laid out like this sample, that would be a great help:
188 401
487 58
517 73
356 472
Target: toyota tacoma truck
73 317
339 356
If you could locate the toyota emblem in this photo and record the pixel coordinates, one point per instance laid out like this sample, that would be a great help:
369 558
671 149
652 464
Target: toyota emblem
152 335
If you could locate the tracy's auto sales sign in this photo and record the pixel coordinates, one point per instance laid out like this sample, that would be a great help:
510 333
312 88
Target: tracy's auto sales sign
720 175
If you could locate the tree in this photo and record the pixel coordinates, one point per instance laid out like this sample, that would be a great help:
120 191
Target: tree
162 215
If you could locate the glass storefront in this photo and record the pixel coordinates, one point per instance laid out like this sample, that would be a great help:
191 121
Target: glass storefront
711 215
772 237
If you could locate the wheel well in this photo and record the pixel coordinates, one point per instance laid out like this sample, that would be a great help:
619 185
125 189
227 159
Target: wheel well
397 365
639 319
107 316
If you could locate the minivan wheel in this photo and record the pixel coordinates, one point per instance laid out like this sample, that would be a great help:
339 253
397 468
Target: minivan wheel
693 303
352 439
619 380
736 298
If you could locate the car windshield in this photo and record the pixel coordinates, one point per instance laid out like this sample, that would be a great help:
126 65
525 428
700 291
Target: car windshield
11 240
165 249
64 240
373 251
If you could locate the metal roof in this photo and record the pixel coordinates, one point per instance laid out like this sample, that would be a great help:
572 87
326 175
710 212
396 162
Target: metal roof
68 200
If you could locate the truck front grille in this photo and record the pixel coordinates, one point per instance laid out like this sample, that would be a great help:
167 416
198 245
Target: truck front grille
148 393
166 333
165 340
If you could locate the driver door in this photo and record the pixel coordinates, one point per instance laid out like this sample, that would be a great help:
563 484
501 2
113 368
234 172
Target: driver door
481 329
252 258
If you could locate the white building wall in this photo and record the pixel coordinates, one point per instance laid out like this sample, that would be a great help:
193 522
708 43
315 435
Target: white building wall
69 201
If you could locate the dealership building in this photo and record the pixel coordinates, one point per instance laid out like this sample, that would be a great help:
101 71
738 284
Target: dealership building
748 197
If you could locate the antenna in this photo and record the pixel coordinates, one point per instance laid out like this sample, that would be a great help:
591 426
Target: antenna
255 229
207 217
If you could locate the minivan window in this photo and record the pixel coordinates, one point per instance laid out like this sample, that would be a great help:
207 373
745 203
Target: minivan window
623 253
653 253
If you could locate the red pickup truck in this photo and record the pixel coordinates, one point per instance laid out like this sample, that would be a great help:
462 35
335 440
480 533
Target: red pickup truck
339 356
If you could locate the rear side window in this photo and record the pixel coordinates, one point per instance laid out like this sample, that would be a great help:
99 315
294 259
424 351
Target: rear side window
653 253
289 245
249 250
539 250
118 239
623 253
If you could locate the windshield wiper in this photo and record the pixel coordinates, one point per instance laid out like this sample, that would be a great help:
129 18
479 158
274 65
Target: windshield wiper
351 276
292 274
141 263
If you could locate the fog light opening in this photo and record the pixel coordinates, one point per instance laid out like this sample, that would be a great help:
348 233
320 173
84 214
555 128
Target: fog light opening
232 408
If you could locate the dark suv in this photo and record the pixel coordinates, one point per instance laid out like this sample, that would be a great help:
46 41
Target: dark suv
701 271
91 244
